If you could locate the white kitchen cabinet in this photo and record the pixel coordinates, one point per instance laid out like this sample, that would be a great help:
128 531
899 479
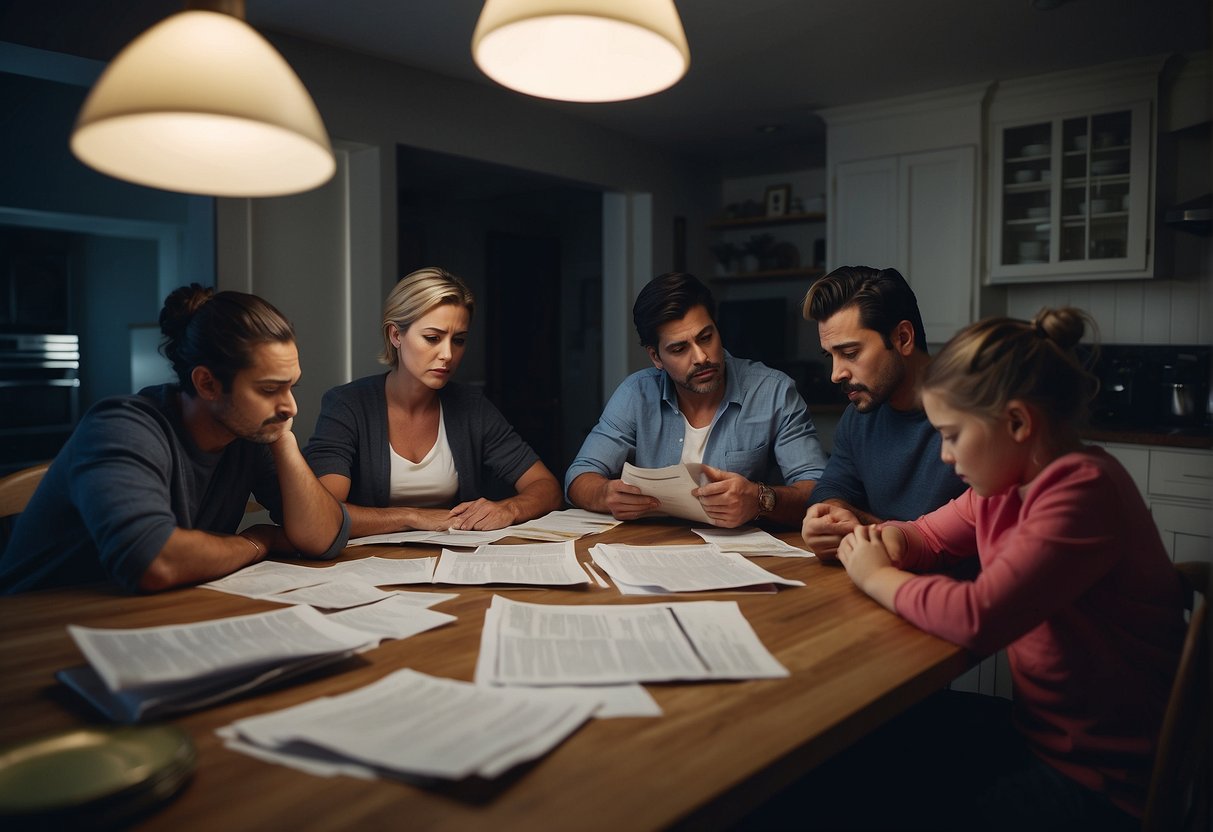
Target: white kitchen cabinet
914 212
1070 195
1186 530
1186 474
904 191
1071 175
1178 487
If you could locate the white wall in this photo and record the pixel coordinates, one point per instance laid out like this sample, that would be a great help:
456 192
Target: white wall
294 252
1157 311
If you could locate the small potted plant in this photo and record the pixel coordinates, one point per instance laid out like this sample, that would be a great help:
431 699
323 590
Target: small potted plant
757 252
726 255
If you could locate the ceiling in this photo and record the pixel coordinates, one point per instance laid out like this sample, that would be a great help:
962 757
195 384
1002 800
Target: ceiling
760 69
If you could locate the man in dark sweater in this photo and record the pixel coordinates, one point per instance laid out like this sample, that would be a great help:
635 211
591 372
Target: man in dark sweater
885 463
149 489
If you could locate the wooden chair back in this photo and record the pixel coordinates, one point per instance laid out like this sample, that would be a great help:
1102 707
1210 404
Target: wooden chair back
1181 782
18 487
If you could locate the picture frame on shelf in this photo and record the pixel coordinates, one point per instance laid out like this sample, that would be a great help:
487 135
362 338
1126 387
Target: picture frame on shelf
777 200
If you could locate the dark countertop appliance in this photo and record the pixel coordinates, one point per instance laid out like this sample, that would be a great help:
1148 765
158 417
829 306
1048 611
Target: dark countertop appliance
1154 389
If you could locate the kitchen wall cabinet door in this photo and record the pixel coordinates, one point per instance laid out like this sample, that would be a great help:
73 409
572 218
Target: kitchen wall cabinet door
935 236
864 219
914 212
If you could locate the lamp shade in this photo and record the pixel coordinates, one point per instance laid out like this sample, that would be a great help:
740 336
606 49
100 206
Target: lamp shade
581 50
201 103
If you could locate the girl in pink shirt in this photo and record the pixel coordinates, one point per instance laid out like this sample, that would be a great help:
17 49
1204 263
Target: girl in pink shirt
1074 582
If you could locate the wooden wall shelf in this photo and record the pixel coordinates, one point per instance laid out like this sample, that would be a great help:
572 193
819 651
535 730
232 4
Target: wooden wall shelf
758 222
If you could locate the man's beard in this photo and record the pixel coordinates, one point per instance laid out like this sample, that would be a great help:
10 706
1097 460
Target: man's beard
708 387
884 387
265 434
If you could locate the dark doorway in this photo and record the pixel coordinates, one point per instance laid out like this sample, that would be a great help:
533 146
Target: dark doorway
530 248
523 360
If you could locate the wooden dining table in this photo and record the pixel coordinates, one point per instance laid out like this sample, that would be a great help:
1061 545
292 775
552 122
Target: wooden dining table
718 750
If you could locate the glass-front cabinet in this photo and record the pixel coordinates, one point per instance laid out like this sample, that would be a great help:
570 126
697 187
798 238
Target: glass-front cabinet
1072 196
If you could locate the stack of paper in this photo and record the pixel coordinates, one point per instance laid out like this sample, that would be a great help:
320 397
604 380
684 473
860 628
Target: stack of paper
550 644
569 524
412 724
451 537
655 570
143 673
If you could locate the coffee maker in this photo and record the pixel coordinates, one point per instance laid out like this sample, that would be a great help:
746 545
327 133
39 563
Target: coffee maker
1185 389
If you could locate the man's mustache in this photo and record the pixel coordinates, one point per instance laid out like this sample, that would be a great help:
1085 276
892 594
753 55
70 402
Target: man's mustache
699 368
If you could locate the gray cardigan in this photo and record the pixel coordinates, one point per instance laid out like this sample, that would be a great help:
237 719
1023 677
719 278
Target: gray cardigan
351 439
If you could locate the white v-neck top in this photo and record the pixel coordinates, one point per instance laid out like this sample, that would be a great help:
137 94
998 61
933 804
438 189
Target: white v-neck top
694 441
431 482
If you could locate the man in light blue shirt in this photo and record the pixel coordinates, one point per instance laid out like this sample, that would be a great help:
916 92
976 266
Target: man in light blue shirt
743 420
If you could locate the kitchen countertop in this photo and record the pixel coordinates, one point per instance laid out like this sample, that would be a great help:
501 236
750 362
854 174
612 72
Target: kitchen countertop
1163 438
1202 441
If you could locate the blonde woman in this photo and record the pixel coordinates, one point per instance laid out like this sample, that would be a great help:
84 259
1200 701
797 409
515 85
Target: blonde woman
400 449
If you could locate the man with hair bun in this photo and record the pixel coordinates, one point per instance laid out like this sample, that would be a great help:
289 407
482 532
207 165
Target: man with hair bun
149 489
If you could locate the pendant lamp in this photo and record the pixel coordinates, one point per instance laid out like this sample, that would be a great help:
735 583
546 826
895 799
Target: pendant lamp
203 104
581 50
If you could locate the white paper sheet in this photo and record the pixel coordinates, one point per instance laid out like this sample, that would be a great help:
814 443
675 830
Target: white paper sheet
534 564
548 644
751 542
386 571
424 599
672 485
391 618
332 595
411 536
268 577
609 701
682 568
727 642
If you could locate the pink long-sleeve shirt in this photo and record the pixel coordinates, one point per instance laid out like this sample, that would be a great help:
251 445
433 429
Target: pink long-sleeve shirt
1075 583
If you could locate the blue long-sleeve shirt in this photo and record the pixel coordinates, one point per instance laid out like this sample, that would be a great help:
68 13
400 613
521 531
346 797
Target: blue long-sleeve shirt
886 462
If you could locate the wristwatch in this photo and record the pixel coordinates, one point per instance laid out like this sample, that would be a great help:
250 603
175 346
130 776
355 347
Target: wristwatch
766 499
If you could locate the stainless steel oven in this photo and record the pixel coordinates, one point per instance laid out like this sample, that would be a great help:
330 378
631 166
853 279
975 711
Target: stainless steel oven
39 396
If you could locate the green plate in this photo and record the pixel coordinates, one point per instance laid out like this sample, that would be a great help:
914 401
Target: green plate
130 767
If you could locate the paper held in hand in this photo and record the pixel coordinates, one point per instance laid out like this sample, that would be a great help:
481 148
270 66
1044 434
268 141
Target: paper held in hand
673 486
